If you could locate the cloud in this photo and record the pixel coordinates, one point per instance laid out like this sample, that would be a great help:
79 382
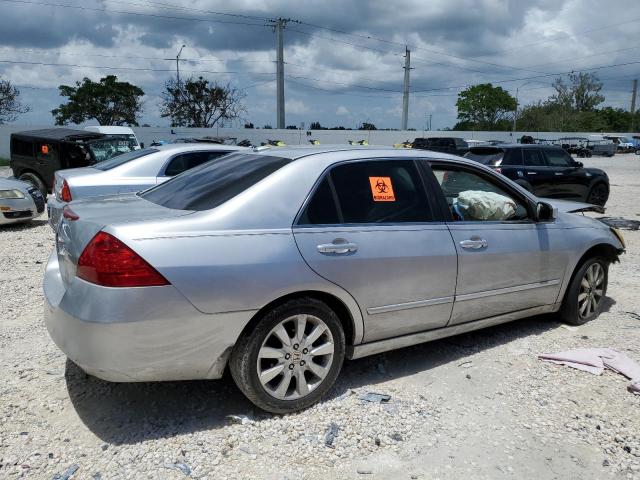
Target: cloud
327 73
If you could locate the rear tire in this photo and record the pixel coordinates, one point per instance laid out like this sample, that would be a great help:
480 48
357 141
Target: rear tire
34 180
274 364
588 287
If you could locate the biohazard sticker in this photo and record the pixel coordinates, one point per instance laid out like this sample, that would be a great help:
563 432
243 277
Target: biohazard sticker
382 189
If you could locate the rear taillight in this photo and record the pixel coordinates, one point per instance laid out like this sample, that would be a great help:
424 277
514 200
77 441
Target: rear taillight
108 262
65 192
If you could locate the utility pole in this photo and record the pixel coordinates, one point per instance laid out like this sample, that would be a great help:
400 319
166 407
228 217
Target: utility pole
279 28
633 103
178 65
405 96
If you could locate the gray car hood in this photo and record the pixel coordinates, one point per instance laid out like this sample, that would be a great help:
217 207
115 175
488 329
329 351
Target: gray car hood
568 206
11 184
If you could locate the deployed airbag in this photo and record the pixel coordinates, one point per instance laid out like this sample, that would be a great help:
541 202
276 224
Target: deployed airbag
479 205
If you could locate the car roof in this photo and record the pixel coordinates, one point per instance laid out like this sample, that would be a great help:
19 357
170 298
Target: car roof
60 134
515 145
189 147
109 129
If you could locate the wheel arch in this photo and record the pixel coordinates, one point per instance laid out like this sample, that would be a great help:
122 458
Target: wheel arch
602 249
351 321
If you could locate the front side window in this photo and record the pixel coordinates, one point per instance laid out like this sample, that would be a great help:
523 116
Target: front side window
374 192
121 159
533 158
558 158
471 197
213 183
186 161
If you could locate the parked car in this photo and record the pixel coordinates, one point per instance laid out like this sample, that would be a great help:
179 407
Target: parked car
280 263
623 144
546 171
455 146
130 172
600 145
19 201
36 155
125 134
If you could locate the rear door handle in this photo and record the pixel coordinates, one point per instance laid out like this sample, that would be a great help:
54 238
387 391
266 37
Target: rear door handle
474 243
532 173
338 246
559 173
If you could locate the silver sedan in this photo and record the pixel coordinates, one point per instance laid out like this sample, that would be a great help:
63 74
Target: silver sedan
19 201
130 172
280 263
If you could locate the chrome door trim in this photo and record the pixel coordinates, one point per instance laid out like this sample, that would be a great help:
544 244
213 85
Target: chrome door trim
366 349
503 291
403 306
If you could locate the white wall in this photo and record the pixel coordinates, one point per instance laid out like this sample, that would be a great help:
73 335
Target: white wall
296 137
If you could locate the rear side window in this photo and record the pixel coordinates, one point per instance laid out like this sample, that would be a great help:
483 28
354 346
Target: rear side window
533 158
20 147
187 161
512 157
388 191
322 208
124 158
213 183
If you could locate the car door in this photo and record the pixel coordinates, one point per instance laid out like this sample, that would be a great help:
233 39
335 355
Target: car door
536 172
570 179
506 260
185 161
368 227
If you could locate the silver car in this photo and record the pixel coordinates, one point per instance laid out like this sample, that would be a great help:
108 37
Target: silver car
130 172
279 264
19 201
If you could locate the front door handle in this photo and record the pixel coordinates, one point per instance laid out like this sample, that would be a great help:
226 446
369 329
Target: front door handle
532 173
339 247
559 173
474 243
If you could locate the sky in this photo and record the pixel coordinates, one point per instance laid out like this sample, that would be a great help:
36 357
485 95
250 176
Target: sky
343 59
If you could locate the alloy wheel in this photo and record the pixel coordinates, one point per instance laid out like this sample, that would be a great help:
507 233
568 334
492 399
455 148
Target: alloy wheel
598 195
295 357
591 290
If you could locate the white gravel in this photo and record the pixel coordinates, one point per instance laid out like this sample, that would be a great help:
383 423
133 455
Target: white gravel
475 406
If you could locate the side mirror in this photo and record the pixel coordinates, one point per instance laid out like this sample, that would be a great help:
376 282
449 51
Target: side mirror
141 144
578 164
544 212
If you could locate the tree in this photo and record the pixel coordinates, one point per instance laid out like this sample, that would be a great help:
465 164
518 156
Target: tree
108 101
291 127
199 103
485 107
248 125
367 126
10 105
315 126
581 94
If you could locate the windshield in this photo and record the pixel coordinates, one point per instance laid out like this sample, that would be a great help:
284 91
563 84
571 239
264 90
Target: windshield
108 147
213 183
123 158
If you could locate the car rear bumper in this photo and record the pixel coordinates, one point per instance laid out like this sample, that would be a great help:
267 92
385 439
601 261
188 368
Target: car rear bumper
54 211
137 334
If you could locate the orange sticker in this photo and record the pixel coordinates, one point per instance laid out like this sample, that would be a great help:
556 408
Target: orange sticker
45 149
382 189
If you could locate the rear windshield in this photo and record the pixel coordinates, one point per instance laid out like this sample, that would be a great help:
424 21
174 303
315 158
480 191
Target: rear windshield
213 183
124 158
486 156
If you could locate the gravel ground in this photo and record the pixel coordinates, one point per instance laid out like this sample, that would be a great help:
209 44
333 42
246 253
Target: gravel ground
475 406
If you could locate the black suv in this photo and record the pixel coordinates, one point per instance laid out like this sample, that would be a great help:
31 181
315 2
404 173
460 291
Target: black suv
546 171
453 145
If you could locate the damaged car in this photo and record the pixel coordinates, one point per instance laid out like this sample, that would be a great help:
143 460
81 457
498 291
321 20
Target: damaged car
279 264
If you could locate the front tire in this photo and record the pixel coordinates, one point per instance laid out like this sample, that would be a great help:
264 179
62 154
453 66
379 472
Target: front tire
583 300
598 194
291 358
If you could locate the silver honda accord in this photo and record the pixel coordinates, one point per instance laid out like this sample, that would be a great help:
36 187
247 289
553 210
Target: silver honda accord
280 263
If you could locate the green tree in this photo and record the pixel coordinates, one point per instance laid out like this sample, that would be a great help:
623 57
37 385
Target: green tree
199 103
108 101
315 126
485 107
10 105
367 126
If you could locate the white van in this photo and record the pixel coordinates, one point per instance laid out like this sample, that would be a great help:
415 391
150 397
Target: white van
126 133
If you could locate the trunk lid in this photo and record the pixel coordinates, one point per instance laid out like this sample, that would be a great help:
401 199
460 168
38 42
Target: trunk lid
94 215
